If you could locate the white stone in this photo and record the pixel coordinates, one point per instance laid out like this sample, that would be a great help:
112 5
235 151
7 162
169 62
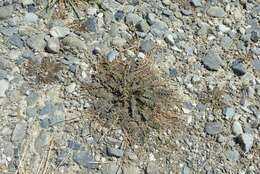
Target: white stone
3 87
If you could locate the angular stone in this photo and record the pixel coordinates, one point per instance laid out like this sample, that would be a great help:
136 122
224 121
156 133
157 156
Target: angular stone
246 141
4 85
91 24
238 68
212 61
115 152
59 31
229 112
84 159
237 128
19 132
232 155
216 12
132 19
53 45
37 42
214 128
16 41
74 42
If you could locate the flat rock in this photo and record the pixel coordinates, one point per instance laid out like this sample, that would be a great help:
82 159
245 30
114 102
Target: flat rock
147 45
74 42
19 132
16 41
84 159
246 141
37 42
216 12
59 31
115 152
214 128
256 64
6 11
4 85
31 18
212 61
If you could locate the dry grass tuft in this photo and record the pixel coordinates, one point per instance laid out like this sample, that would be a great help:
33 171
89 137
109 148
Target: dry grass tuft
131 94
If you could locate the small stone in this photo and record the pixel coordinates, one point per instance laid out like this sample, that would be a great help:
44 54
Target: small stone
16 41
223 28
213 128
42 141
246 141
169 39
112 168
147 45
229 112
255 36
232 155
238 68
115 152
31 112
91 24
84 159
142 26
44 122
132 19
28 54
212 61
31 18
151 18
118 42
131 169
186 170
37 42
166 2
73 145
53 45
216 12
112 55
19 132
59 31
119 15
32 98
159 28
196 3
74 42
27 2
49 108
256 64
4 85
6 11
237 128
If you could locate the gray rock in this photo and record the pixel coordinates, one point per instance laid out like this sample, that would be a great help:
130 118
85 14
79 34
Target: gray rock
48 109
3 74
132 19
71 88
58 118
131 169
246 141
115 152
112 55
27 2
44 122
237 128
169 38
256 64
31 18
229 112
186 170
91 24
147 45
53 45
37 42
196 3
119 15
73 145
19 132
6 11
59 31
151 18
31 112
32 98
232 155
238 68
74 42
158 28
16 41
118 42
216 12
142 26
255 36
8 31
212 61
84 159
28 54
256 50
4 85
226 43
214 128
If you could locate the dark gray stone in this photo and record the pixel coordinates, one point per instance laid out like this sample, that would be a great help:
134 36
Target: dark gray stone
115 152
238 68
132 19
49 108
159 28
84 159
212 61
16 41
214 128
91 24
28 54
119 15
255 36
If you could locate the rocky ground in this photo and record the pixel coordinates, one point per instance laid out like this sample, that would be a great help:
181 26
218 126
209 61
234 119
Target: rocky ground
209 52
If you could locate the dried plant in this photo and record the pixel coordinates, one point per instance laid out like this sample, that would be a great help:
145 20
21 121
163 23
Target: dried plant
44 72
131 94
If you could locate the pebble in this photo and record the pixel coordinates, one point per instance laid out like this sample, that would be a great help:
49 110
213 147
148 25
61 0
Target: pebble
237 128
229 112
216 12
212 61
16 41
74 42
196 3
256 64
214 128
31 18
112 55
147 45
131 169
59 31
19 132
115 152
37 42
73 145
169 39
232 155
32 98
186 170
132 19
142 26
6 11
91 24
246 141
4 85
159 28
238 68
53 45
83 158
